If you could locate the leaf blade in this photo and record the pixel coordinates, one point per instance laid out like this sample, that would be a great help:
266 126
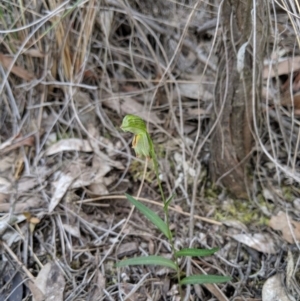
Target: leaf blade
152 216
202 279
196 252
148 260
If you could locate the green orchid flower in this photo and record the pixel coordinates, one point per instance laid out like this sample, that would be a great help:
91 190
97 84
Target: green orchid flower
142 143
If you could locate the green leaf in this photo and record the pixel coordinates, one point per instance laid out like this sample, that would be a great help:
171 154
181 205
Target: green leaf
201 279
148 260
196 252
152 216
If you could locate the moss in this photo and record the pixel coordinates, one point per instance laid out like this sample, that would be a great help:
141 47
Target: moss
212 193
137 171
65 135
287 192
243 211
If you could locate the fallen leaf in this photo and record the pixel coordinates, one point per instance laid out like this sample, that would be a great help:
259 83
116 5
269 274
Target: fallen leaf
6 163
27 205
11 237
127 249
83 176
67 145
105 20
290 269
288 100
194 91
26 183
286 66
37 295
102 167
130 106
15 143
198 112
235 224
34 52
273 290
103 158
6 61
5 186
60 188
260 242
84 110
290 229
77 176
18 167
74 231
4 197
97 287
8 220
97 189
51 282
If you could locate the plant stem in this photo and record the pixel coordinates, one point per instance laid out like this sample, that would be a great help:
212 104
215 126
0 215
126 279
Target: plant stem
167 220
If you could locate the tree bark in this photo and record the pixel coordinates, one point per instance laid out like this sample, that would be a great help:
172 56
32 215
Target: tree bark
232 140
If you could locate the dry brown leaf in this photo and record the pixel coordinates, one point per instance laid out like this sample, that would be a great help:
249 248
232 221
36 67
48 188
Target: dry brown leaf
37 295
198 112
194 91
15 143
86 112
286 66
20 207
289 101
51 282
290 229
248 299
77 176
27 183
83 176
217 292
105 20
101 167
74 231
103 158
6 163
7 220
67 145
97 287
236 224
290 269
60 188
260 242
127 249
34 52
5 185
274 290
11 236
3 199
98 188
18 167
130 106
6 61
130 291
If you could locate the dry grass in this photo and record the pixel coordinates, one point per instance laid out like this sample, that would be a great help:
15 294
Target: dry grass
69 73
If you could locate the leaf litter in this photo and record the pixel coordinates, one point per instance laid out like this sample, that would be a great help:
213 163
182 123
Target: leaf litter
67 138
